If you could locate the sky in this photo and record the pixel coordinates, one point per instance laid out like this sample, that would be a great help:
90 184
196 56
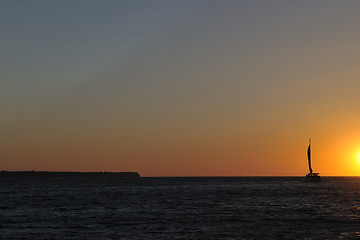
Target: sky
180 88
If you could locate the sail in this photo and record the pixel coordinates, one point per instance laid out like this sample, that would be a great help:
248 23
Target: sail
309 158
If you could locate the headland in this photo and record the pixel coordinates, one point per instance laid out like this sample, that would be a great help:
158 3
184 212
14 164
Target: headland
126 175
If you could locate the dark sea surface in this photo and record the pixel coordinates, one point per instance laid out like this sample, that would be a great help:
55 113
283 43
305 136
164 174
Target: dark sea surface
179 208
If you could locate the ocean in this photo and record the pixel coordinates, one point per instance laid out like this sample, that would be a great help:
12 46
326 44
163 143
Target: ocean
179 208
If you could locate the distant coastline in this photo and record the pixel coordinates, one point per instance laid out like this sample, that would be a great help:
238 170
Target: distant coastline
127 175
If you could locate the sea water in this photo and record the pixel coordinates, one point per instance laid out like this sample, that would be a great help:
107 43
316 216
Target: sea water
179 208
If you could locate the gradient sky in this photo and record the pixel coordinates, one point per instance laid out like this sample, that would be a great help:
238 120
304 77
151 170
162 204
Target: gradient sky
180 88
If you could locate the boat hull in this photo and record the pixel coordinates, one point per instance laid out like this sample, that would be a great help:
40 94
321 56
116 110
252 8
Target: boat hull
313 177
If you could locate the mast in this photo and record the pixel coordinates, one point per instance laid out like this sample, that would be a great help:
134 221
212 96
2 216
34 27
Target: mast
309 156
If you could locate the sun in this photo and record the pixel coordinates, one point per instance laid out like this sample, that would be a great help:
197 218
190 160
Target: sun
358 158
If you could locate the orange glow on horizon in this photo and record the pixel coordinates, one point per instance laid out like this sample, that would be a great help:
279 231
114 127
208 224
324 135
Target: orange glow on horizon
343 158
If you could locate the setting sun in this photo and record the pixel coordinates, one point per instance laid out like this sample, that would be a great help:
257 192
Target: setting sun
358 157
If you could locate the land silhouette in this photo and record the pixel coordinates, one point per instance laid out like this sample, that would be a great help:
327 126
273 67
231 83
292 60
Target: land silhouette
69 174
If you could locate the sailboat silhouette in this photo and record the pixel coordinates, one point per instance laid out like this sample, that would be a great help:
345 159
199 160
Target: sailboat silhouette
311 176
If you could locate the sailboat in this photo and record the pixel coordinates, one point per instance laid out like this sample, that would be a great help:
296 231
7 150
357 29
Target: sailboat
311 176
